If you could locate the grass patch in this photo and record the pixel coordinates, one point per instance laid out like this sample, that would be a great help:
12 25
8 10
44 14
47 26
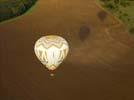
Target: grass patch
13 8
123 9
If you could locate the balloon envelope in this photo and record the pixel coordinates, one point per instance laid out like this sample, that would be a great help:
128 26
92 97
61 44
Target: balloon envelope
51 50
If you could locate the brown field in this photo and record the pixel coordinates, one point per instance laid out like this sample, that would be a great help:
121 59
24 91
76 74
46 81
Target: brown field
100 64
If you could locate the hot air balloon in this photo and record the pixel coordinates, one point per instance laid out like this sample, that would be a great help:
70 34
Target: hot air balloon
51 50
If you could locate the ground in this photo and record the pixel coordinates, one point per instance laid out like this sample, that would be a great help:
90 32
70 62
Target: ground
99 65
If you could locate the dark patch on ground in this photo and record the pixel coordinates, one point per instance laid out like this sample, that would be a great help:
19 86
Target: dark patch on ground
102 15
84 32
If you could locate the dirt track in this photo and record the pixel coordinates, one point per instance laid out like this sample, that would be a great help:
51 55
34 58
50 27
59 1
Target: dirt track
99 66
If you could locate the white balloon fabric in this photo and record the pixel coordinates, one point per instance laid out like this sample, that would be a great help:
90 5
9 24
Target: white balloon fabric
51 50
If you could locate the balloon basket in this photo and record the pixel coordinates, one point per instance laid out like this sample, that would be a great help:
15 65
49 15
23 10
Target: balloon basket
52 74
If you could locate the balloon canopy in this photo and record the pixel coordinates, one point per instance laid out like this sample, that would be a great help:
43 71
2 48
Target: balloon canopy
51 50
